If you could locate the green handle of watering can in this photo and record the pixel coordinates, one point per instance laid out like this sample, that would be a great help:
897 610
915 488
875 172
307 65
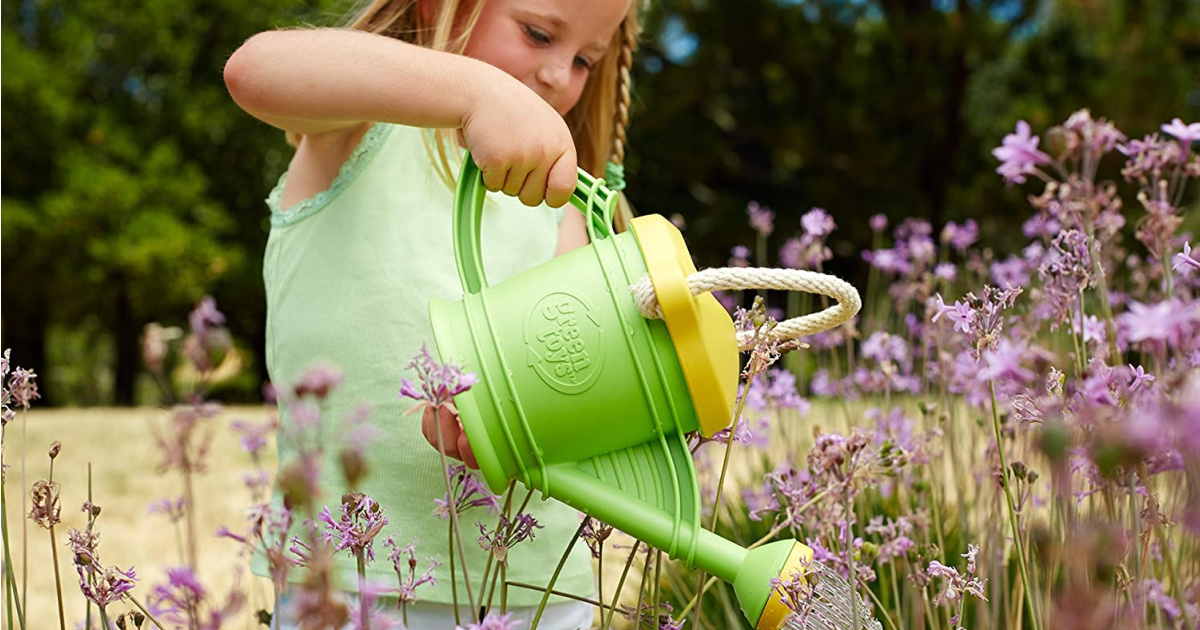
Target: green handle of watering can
596 202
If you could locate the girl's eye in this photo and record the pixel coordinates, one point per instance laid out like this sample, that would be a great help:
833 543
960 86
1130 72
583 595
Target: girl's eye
538 37
582 62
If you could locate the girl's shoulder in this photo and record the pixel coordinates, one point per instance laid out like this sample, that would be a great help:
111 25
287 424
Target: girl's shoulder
402 142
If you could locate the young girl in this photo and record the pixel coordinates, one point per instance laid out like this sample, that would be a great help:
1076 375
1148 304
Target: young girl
361 226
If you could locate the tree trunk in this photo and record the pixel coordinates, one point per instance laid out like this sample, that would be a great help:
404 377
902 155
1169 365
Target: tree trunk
24 332
128 356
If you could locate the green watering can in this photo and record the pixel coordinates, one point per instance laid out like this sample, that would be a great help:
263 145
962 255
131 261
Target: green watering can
588 401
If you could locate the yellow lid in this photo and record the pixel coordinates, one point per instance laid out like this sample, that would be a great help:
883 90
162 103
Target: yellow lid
776 613
700 328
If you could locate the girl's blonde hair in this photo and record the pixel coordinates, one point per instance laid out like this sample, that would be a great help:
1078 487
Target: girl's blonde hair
597 122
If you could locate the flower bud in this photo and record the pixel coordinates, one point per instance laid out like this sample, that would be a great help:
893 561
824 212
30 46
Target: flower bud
354 466
55 447
138 619
121 622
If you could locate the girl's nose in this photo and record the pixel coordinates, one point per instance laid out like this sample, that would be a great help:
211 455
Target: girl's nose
556 72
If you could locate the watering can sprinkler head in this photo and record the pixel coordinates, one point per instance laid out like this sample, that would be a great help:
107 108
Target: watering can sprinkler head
588 400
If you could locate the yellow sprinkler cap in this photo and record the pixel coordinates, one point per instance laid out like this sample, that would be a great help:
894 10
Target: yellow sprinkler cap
700 328
776 613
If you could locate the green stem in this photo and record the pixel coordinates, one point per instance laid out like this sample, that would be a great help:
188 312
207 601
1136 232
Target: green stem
10 579
559 593
1176 583
362 582
737 416
491 556
553 578
657 582
62 616
886 617
147 612
454 527
620 584
1012 508
453 578
91 520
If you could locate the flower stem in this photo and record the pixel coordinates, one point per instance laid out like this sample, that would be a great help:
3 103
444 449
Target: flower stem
189 496
1012 508
577 598
454 527
453 579
62 617
147 612
737 416
87 622
362 583
553 578
10 579
620 584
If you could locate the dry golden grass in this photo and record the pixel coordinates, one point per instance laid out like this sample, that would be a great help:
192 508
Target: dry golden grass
119 444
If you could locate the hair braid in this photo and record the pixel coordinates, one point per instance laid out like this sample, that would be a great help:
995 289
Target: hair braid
629 40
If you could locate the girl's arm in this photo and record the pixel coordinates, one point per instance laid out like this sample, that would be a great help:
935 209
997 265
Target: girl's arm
329 81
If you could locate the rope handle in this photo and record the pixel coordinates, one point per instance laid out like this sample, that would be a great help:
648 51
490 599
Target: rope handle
742 278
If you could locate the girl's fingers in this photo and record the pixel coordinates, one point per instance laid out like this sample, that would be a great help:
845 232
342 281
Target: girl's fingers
560 183
493 178
534 190
431 419
515 181
464 448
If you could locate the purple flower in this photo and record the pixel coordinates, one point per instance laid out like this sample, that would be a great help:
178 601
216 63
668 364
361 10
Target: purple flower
1003 363
20 390
878 223
739 256
762 219
254 434
1186 134
205 317
406 592
1019 155
468 491
1140 377
361 521
817 223
960 313
790 253
961 237
173 510
436 383
319 380
946 271
107 586
1165 321
1184 263
507 534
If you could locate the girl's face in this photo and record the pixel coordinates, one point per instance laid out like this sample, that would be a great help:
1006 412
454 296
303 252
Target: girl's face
549 45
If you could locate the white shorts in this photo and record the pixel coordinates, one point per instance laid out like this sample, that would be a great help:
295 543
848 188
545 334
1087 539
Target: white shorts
434 616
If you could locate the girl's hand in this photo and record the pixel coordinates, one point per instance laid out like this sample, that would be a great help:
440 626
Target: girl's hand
522 146
454 439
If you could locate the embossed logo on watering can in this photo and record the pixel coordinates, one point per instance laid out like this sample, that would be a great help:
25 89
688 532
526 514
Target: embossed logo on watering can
563 341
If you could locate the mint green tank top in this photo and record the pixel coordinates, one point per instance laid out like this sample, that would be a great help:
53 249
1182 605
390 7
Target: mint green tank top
349 274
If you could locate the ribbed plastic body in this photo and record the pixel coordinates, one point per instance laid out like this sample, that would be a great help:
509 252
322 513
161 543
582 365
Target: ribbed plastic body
583 398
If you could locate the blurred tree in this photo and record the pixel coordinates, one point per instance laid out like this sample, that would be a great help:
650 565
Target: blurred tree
133 185
890 106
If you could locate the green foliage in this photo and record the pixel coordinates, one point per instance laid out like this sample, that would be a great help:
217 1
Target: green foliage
133 185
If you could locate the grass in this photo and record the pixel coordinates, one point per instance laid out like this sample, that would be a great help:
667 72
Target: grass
119 443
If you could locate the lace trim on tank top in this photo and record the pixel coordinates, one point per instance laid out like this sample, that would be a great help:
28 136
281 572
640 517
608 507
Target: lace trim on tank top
371 141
